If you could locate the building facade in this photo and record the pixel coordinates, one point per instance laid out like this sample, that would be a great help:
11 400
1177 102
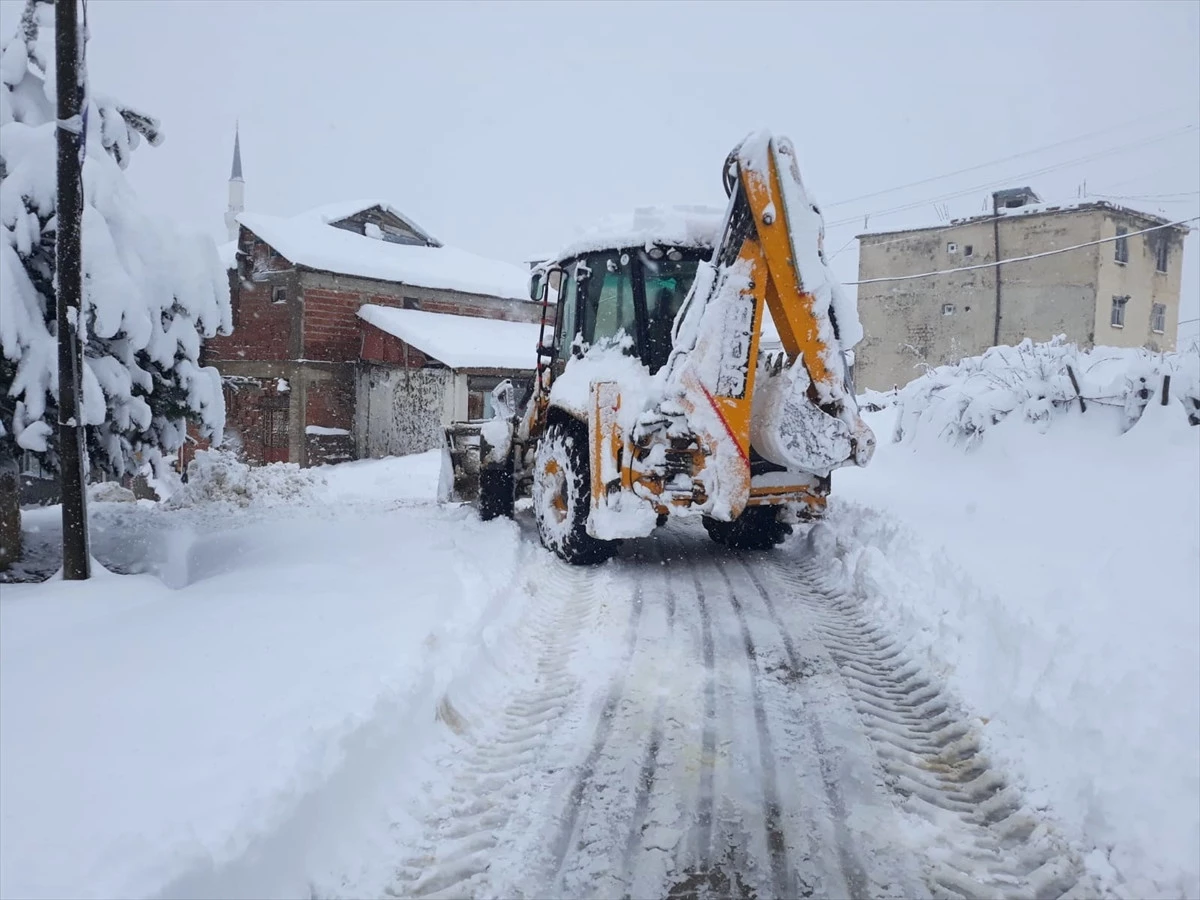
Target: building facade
312 376
1123 292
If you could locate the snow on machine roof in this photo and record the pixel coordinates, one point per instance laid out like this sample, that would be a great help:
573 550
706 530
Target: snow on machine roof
681 226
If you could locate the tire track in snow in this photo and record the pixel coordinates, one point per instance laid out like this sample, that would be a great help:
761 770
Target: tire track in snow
499 762
776 840
604 726
649 767
853 873
989 843
708 746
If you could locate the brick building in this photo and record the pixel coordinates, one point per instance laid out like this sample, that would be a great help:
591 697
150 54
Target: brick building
357 334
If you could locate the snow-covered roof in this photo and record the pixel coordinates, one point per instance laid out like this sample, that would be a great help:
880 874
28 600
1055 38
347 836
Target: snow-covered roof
335 212
461 342
1033 209
309 240
683 226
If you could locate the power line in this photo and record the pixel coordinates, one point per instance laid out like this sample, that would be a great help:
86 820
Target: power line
995 162
1042 171
1001 262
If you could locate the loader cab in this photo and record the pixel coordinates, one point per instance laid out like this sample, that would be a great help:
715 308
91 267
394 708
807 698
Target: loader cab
628 296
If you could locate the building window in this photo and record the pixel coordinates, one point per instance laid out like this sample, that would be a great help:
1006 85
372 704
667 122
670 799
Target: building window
968 250
1162 255
1118 312
952 247
279 295
947 309
1158 318
411 303
1121 251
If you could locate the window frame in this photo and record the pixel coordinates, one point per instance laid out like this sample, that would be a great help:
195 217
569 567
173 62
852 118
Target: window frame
278 291
1121 246
1120 302
1162 257
1158 318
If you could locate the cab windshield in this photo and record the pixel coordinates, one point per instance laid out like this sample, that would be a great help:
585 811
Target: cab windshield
632 294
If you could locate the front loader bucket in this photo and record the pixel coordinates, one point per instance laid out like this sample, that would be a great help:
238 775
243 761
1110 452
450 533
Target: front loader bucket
459 482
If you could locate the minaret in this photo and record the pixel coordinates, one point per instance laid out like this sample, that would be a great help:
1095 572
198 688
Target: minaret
237 189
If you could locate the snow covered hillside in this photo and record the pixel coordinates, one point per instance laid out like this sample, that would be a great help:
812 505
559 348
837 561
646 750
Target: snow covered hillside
1049 566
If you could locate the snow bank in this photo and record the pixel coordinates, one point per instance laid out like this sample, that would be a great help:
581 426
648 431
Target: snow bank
960 402
150 737
1052 575
219 477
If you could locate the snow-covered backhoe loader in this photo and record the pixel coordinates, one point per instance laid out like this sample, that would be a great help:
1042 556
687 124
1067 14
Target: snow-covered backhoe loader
653 395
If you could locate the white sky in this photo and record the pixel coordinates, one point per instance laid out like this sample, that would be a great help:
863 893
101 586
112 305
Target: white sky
502 127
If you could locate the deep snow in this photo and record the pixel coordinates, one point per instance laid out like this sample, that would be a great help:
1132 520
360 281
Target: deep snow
1054 579
257 710
152 724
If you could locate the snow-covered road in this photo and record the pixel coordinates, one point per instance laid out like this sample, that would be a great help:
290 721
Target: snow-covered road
702 722
326 685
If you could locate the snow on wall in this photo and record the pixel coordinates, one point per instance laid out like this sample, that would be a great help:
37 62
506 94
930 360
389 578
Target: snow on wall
401 411
960 402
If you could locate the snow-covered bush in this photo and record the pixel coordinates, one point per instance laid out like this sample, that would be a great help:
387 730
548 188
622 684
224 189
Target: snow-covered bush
1044 382
149 291
219 477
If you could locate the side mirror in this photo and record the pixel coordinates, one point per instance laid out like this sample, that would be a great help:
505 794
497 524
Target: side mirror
537 286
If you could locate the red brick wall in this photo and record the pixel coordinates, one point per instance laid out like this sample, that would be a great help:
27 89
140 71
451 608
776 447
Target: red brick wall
381 347
331 324
246 419
330 402
262 329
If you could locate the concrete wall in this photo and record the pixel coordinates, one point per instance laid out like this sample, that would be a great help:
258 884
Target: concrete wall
1139 280
937 320
400 411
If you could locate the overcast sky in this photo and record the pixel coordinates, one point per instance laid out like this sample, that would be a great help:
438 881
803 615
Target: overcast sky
502 127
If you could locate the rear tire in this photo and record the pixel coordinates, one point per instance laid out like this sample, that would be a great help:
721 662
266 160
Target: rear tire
562 496
757 528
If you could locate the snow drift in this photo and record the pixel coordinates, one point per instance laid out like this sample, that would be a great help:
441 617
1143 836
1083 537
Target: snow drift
1043 384
1046 561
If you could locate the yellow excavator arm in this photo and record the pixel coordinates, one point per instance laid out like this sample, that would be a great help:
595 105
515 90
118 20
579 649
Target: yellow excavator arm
802 417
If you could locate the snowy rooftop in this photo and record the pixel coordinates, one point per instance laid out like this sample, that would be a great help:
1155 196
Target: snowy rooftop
1034 209
461 342
683 226
310 240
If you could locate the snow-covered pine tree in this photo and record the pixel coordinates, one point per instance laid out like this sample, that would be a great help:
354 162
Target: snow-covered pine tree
150 291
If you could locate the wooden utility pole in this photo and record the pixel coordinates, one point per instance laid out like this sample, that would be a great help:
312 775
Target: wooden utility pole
69 288
996 250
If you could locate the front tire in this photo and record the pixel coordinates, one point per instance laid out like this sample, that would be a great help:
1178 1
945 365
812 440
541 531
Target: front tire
562 497
757 528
